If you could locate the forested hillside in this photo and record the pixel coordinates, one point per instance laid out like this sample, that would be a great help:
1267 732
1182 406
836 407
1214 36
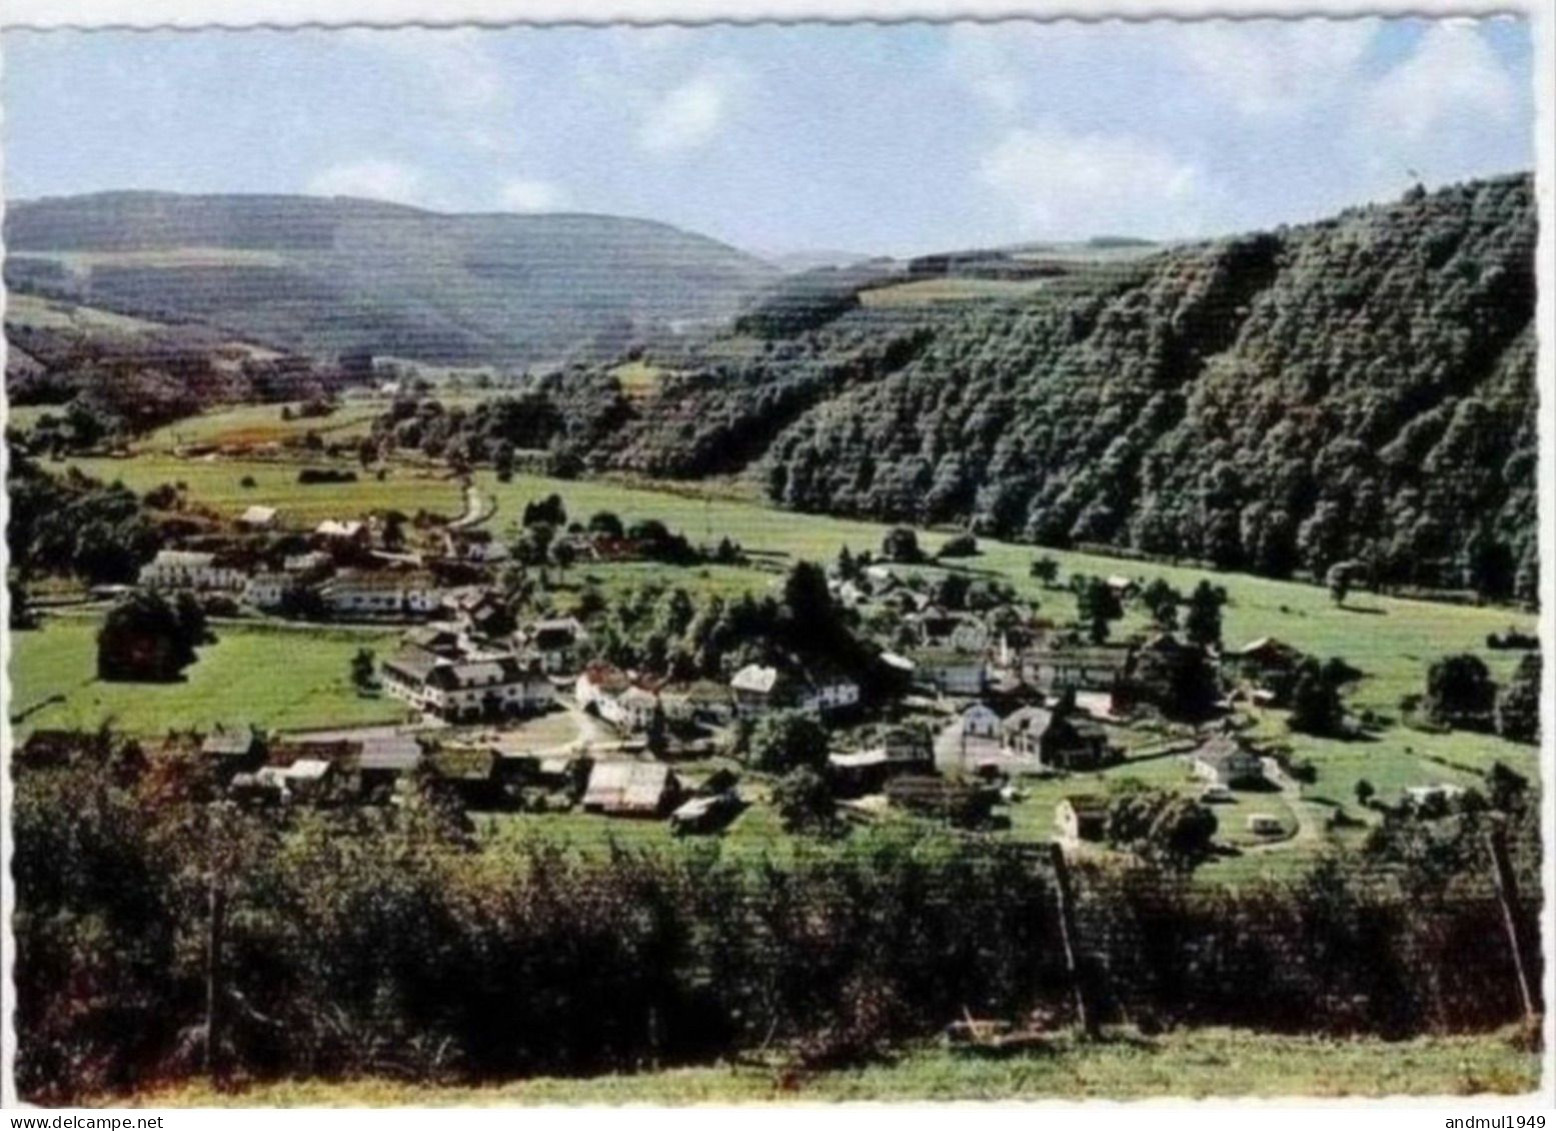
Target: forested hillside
330 276
1357 390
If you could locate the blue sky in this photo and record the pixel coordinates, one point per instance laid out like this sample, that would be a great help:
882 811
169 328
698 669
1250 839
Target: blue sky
880 139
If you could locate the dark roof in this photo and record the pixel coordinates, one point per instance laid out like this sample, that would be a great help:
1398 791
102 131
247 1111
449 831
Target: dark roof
1087 804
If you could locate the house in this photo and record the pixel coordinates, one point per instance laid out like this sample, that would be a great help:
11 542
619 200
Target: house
705 814
233 748
632 710
334 530
1268 665
471 774
937 628
1123 587
190 569
867 771
759 688
301 780
258 518
478 610
1054 739
631 789
313 562
704 700
980 721
268 589
1081 816
828 691
555 640
599 684
1440 793
1094 668
466 690
948 671
1265 824
476 546
385 758
1224 760
381 593
437 639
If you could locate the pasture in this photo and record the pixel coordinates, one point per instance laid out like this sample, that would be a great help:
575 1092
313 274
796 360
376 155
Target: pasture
276 677
218 484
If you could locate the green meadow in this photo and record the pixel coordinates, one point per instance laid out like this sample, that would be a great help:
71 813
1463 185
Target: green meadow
218 484
274 677
1186 1064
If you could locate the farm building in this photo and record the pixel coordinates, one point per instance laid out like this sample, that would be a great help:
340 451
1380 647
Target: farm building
1224 760
1081 816
258 518
555 641
631 789
1054 739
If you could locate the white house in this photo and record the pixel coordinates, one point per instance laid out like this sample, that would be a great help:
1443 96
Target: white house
467 690
269 590
980 721
258 518
828 692
188 569
758 689
598 684
382 593
314 561
349 530
1225 761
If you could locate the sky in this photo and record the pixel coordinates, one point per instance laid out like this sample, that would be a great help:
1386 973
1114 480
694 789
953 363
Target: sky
866 138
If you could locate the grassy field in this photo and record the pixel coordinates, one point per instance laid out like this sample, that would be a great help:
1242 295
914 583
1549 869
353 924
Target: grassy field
1188 1064
277 678
263 424
218 484
925 292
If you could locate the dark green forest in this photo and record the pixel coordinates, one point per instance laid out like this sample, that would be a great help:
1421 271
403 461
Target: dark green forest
1359 390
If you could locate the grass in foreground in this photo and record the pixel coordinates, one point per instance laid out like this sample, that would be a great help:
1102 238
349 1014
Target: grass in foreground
1190 1064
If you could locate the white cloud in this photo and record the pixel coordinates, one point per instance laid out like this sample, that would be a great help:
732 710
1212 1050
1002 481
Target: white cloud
1276 69
523 194
1069 186
688 116
374 178
1453 79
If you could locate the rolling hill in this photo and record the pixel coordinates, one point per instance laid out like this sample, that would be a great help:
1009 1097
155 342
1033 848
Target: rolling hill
332 276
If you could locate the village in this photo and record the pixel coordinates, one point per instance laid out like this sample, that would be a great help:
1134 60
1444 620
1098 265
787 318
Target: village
947 703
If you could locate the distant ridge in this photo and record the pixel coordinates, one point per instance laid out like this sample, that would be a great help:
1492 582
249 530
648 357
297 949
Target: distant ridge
336 275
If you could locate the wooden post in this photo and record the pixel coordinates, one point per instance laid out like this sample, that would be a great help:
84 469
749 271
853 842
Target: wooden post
217 912
1507 896
1067 935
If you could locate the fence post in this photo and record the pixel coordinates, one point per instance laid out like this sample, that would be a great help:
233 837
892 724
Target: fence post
1507 896
1064 898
